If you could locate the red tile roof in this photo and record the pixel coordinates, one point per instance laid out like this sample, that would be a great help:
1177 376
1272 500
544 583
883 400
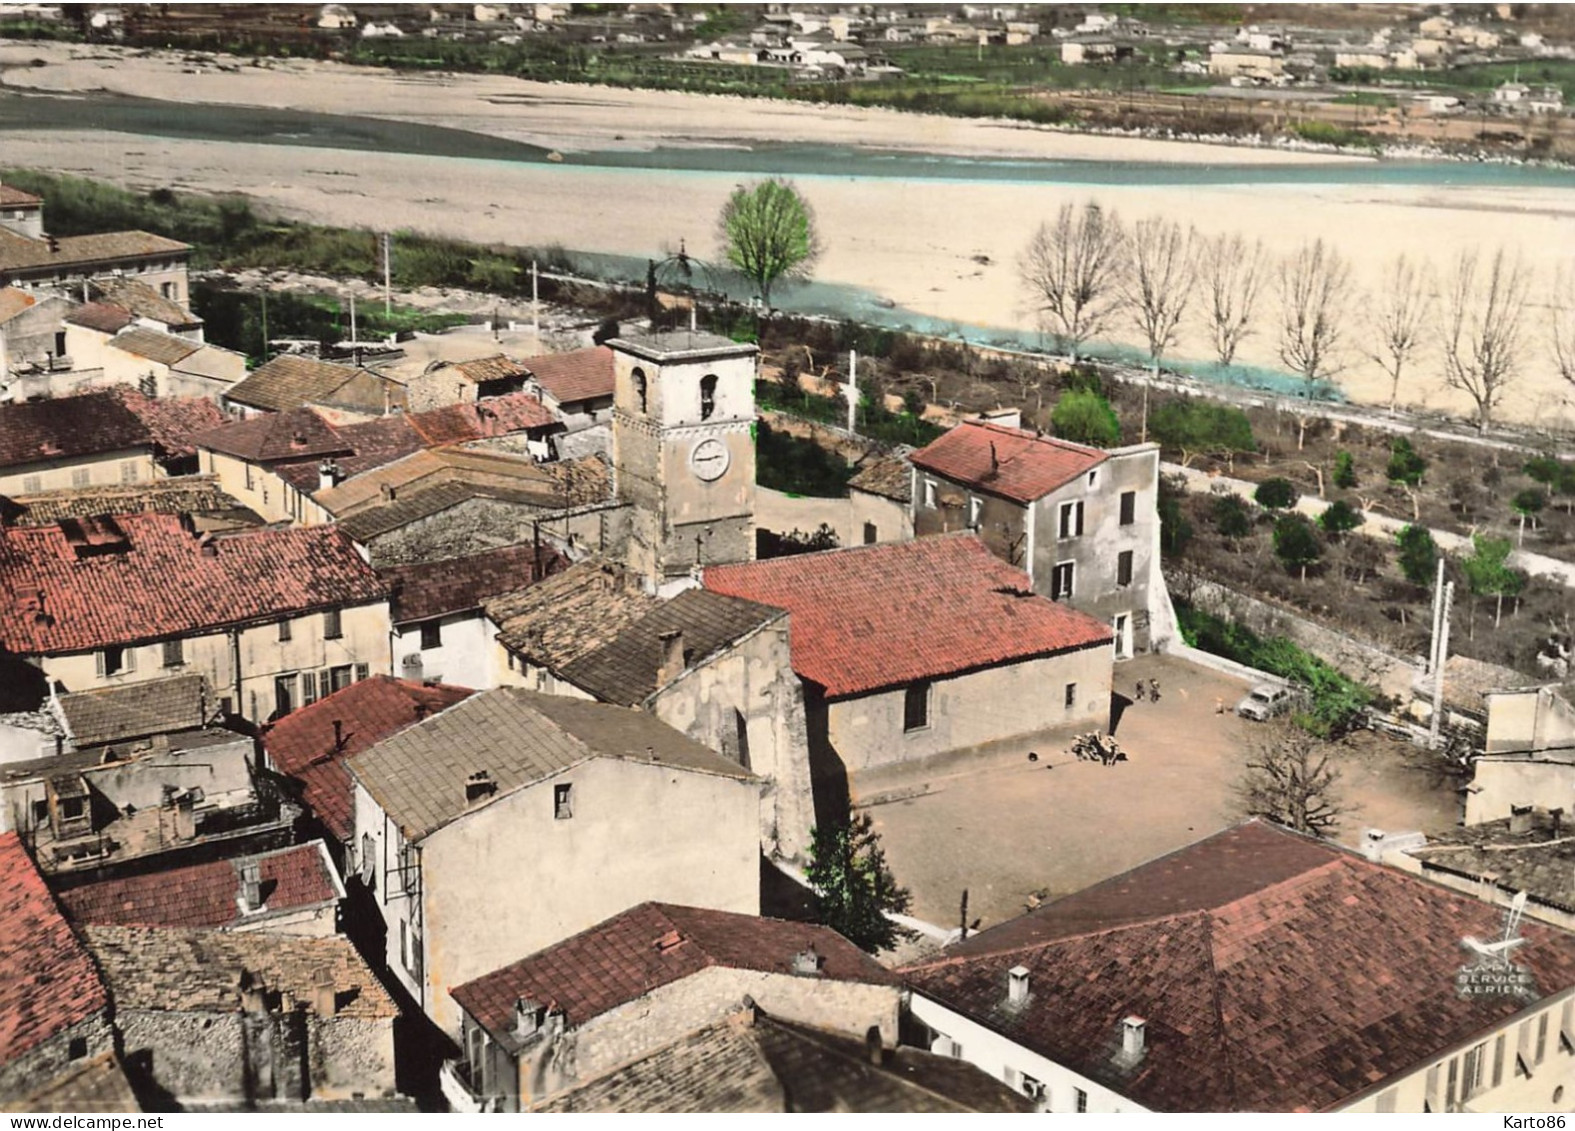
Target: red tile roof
144 577
1010 462
457 585
47 981
297 878
580 375
174 422
13 197
484 419
273 437
302 744
86 424
374 443
880 616
655 944
497 367
104 317
1274 973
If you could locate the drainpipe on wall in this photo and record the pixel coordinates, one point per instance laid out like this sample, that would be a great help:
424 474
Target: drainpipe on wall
235 669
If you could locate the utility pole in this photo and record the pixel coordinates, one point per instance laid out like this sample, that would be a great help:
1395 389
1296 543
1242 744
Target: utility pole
535 307
1438 607
265 327
388 274
1438 674
354 337
852 390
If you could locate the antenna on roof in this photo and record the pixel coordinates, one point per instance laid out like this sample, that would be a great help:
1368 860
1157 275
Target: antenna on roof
1517 909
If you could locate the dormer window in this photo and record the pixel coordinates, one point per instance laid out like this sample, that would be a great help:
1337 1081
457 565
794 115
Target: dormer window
707 396
640 388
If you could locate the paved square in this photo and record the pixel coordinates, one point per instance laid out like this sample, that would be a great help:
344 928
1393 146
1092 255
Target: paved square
1006 828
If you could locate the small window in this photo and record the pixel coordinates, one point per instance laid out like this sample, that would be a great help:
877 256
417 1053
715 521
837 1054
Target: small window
1082 1099
72 808
707 396
563 801
81 477
1128 508
113 661
308 688
975 509
431 634
285 631
1093 479
248 476
1071 520
167 290
76 1048
1071 696
32 484
640 389
332 630
1061 582
871 535
337 678
128 471
1542 1039
1124 568
60 343
283 695
916 707
174 653
929 493
362 671
368 863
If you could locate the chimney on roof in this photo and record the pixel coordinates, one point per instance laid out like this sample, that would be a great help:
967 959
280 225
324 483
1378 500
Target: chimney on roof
54 244
672 662
339 735
1134 1040
325 998
1519 820
413 668
387 490
995 461
328 475
188 524
421 710
808 961
527 1017
207 545
251 887
479 785
1017 985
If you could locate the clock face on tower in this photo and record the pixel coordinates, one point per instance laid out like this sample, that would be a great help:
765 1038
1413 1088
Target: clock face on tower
709 459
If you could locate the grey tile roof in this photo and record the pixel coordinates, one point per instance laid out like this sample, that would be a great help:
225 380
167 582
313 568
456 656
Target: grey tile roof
624 670
569 614
1540 862
165 349
889 475
518 737
137 710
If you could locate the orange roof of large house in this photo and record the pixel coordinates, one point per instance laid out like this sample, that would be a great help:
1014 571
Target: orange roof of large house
91 582
47 980
880 616
579 375
307 745
1011 462
1273 971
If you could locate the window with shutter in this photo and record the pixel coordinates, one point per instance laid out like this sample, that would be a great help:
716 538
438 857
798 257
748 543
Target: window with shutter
362 671
332 629
174 653
1124 568
308 688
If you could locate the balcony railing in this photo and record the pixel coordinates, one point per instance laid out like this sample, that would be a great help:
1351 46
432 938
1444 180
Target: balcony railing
454 1083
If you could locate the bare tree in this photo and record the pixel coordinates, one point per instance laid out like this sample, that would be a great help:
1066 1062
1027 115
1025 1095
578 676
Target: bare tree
1232 272
1314 286
1070 270
1399 317
1155 286
1561 330
1288 779
1483 309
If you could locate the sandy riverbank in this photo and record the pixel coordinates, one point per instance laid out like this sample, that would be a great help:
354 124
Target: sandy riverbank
915 242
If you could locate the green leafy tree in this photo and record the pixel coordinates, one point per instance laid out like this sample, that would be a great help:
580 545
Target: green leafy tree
1528 504
1418 554
1339 518
1231 519
1344 471
1197 428
1086 418
1405 465
1175 529
1296 543
1488 573
1275 494
767 232
854 887
1543 469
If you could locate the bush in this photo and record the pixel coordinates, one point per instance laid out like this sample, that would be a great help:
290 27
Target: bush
1405 465
1339 518
1296 543
1344 471
1196 427
1231 517
1175 530
1275 494
1544 469
1086 418
1418 554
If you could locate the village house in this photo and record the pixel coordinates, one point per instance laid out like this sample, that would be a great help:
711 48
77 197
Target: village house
108 347
111 436
577 386
576 810
216 1017
310 747
286 891
463 382
1233 60
32 340
1249 972
54 1010
909 650
880 498
1082 522
441 633
30 256
285 614
624 988
342 394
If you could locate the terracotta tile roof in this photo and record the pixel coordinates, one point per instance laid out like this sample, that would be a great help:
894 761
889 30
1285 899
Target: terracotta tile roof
1024 467
291 381
19 253
579 375
1541 861
567 615
165 349
65 427
47 980
624 958
104 317
13 197
295 879
274 437
14 300
624 670
141 300
373 443
184 494
1273 975
166 969
752 1062
458 585
174 422
519 737
304 745
97 1085
889 475
163 585
880 616
138 710
487 418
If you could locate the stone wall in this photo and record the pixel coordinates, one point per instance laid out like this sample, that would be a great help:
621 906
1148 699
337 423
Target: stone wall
24 1074
487 524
